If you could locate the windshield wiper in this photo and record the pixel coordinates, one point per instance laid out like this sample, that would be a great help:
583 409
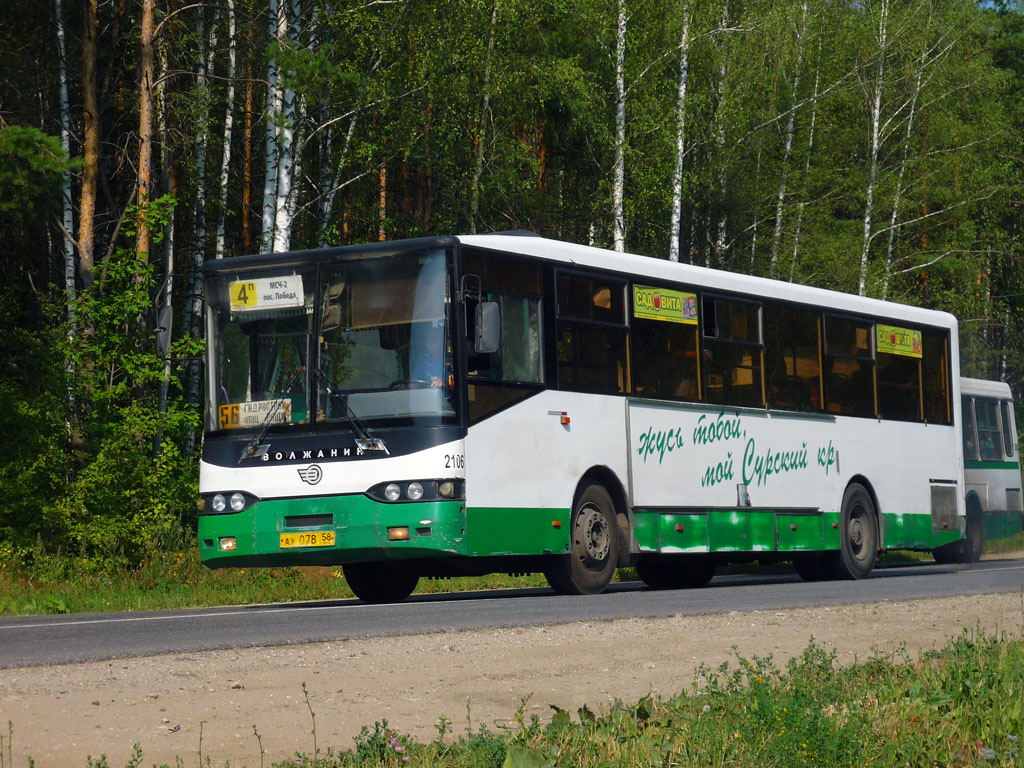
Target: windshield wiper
364 440
254 449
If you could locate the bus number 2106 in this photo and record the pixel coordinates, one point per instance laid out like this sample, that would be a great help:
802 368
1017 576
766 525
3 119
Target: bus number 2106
454 461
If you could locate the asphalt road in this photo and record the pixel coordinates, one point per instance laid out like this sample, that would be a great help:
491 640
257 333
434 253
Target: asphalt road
36 640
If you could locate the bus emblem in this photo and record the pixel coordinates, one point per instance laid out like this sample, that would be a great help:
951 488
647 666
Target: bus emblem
311 474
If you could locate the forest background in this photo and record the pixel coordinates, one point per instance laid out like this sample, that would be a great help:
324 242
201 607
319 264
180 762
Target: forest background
868 146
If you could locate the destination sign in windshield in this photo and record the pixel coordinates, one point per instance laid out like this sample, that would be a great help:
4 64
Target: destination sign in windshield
266 293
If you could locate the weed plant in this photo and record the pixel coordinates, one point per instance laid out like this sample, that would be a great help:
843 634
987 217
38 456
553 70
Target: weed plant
955 707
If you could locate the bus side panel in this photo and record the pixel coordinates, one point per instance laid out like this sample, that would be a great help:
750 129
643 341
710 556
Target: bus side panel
523 466
751 469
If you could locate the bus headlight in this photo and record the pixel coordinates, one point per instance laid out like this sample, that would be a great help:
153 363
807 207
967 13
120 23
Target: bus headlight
418 490
226 502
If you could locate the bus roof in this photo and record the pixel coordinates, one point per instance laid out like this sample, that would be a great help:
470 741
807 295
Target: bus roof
985 388
640 267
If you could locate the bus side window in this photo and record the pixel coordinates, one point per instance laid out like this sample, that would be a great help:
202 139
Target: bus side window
732 354
1009 433
849 367
935 372
989 437
792 369
592 334
970 439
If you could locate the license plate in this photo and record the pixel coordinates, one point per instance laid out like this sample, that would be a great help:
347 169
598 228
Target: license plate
307 539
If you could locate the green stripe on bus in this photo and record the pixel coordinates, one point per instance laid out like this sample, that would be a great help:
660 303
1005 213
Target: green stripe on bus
360 524
991 465
746 530
517 531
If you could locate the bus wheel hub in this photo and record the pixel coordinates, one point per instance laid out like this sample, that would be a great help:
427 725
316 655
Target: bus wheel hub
593 531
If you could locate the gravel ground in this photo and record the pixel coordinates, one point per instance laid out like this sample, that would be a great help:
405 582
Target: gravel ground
178 706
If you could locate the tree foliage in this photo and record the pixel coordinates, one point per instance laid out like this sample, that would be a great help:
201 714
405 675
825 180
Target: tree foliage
868 145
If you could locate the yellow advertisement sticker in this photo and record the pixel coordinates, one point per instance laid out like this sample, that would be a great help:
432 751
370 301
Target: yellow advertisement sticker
898 341
663 304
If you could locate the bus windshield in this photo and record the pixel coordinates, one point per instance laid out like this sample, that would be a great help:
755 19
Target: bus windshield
379 343
385 346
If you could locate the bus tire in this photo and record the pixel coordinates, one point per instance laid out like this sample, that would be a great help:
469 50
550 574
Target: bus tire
810 567
858 539
593 546
968 550
668 572
378 583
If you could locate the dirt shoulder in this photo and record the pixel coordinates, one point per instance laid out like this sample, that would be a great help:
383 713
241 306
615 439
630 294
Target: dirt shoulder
61 714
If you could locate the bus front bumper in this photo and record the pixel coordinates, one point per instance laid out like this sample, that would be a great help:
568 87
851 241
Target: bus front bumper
289 532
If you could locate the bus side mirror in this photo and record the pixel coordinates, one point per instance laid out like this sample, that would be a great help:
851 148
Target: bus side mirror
163 331
488 327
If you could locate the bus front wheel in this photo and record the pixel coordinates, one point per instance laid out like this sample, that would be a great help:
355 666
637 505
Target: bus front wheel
593 546
858 541
380 582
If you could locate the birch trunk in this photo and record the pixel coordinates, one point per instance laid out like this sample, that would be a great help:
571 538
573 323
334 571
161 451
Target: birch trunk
898 195
247 151
723 72
274 8
474 203
288 29
787 143
225 162
677 175
619 174
876 121
91 142
68 220
807 165
168 240
194 317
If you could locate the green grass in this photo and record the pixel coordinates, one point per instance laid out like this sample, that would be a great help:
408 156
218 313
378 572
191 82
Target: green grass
1013 543
958 706
48 583
56 584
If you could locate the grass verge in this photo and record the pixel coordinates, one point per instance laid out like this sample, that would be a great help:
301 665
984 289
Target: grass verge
958 706
61 583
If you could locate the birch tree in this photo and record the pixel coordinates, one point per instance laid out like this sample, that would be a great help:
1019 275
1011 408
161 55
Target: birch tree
787 143
229 116
619 172
478 169
275 8
68 216
289 30
875 89
677 174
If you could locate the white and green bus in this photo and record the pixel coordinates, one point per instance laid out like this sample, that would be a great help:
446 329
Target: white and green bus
508 403
991 464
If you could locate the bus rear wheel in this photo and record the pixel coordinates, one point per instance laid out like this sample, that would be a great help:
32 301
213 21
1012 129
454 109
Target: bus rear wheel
968 550
668 572
593 546
380 582
858 541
